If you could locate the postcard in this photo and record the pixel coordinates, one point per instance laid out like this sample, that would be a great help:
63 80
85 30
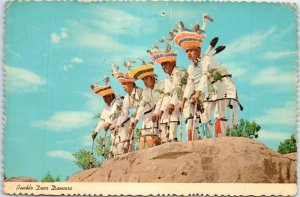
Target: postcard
150 98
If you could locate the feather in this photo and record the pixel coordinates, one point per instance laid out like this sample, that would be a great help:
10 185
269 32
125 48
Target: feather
214 41
143 62
161 41
181 26
148 51
200 31
168 48
219 49
155 47
175 30
212 45
196 27
172 35
106 79
127 65
216 51
115 68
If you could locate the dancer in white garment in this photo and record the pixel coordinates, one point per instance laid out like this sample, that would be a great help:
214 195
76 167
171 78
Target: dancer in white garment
150 97
208 82
108 117
167 113
131 101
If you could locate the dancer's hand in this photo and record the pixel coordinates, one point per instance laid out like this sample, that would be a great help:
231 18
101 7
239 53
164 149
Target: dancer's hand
94 134
196 97
155 117
130 130
180 107
116 129
133 123
170 109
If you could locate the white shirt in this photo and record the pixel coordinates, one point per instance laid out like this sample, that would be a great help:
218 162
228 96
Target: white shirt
150 98
224 88
172 82
108 114
130 101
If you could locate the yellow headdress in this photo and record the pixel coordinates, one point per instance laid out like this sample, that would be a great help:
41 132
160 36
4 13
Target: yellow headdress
142 71
102 90
120 76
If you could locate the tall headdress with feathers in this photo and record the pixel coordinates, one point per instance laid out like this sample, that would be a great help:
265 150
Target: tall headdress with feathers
186 38
103 90
146 69
120 76
160 56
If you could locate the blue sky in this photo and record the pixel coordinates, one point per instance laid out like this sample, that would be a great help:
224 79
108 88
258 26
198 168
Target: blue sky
55 51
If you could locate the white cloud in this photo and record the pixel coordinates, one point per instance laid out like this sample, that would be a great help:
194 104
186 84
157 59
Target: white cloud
273 135
100 41
67 67
61 154
103 33
253 42
271 55
285 115
21 80
65 121
237 68
250 41
107 44
117 22
272 75
77 60
94 102
87 140
57 37
64 33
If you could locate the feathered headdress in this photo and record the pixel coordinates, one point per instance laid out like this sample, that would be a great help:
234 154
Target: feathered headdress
102 90
120 76
160 56
186 38
146 69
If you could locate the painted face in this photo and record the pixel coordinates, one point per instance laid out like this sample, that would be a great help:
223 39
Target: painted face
128 87
108 99
168 67
149 81
193 53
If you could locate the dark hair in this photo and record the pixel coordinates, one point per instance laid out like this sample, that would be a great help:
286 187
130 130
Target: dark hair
168 61
114 96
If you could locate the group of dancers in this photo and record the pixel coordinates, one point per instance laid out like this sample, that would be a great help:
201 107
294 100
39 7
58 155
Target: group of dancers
203 89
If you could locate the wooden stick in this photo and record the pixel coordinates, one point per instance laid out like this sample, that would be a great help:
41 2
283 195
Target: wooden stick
194 121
